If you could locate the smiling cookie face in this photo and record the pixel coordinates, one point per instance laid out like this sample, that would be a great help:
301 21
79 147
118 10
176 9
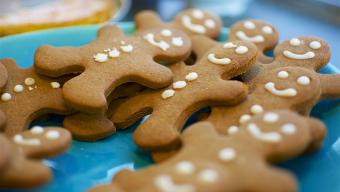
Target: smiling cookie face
309 52
263 34
199 22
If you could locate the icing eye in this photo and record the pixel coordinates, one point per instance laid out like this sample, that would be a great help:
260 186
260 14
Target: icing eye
241 50
166 32
288 129
267 29
315 45
303 80
177 41
295 42
198 14
282 74
209 23
249 25
270 117
229 45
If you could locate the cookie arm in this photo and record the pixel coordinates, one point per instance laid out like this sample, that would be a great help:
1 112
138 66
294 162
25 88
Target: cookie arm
148 19
3 75
330 84
109 32
318 134
202 44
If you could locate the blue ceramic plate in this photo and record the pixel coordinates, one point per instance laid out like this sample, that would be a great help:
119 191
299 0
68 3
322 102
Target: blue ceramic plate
89 164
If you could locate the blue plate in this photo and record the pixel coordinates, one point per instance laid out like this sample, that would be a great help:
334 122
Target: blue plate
89 164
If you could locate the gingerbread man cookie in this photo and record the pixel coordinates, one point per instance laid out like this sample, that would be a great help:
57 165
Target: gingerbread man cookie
111 60
264 35
190 21
212 162
92 127
190 91
16 171
39 142
27 96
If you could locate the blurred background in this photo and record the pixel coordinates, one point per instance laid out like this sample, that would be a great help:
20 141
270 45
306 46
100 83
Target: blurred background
291 17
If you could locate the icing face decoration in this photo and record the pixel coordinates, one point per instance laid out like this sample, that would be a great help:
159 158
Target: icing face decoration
113 52
295 42
251 26
240 50
37 130
165 184
163 44
197 22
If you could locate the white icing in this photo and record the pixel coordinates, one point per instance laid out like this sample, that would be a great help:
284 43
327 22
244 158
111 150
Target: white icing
186 21
166 32
249 25
168 93
208 176
256 109
177 41
18 88
232 130
161 44
114 53
282 74
197 14
100 57
229 45
29 81
291 55
267 29
179 84
185 167
270 117
37 130
270 137
6 97
303 80
227 154
55 85
290 92
191 76
241 50
256 39
19 139
30 88
315 45
127 48
122 42
52 134
288 129
220 61
295 42
244 118
209 23
165 184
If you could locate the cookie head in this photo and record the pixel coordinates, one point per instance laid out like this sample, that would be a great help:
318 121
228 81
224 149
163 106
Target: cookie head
167 42
293 84
309 52
199 22
280 133
263 34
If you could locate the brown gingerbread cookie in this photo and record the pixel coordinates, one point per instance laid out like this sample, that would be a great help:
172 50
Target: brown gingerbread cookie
191 21
111 60
27 96
16 171
92 127
39 142
263 34
191 90
209 161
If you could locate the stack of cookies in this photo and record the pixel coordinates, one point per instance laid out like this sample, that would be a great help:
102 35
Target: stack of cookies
164 73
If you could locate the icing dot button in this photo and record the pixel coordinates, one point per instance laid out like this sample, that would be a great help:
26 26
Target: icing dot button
6 97
18 88
256 109
168 93
227 154
245 118
185 167
37 130
114 53
127 48
29 81
315 45
232 130
267 29
52 134
191 76
208 176
55 85
271 117
241 50
100 57
179 84
303 80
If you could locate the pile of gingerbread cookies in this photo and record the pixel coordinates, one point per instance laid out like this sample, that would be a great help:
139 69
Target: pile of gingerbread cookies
164 73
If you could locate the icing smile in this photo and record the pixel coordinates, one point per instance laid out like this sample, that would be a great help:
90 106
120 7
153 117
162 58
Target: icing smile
291 55
272 137
220 61
256 39
161 44
290 92
186 20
